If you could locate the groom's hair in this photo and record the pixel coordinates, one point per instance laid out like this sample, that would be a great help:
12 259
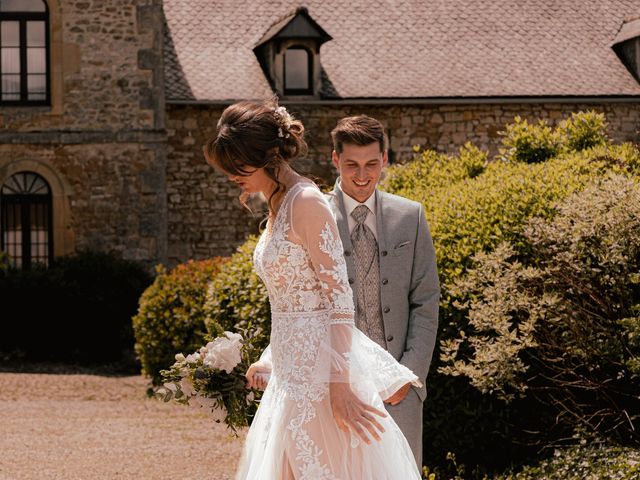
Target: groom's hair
359 130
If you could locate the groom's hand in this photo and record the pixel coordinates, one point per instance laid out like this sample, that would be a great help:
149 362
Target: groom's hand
397 397
351 413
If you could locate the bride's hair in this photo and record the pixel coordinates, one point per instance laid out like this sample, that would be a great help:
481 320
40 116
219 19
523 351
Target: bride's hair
256 135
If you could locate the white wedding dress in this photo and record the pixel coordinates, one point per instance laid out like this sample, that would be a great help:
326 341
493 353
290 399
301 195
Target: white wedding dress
314 341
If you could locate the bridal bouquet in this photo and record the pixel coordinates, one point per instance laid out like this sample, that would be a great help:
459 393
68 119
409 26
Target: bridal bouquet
213 378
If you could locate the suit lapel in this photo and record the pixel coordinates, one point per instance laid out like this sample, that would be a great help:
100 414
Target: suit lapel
341 216
382 237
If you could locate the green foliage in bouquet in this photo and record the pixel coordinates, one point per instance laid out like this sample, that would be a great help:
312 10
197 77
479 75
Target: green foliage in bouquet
563 319
171 316
212 378
237 300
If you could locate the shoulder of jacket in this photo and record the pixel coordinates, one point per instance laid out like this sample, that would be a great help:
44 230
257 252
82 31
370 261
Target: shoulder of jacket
402 203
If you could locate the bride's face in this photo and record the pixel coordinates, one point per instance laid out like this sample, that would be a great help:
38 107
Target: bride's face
256 180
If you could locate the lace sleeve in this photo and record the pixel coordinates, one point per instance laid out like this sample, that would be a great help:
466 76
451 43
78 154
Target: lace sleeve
315 228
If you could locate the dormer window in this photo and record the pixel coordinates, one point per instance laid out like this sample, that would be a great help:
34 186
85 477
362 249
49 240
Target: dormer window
289 54
627 46
298 71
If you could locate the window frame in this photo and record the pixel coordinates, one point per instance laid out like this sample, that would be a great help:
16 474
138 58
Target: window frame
25 201
22 18
310 61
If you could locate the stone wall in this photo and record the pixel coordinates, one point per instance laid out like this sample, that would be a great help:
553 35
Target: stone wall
204 215
102 140
114 193
108 55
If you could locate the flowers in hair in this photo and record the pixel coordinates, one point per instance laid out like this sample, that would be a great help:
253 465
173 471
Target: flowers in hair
284 120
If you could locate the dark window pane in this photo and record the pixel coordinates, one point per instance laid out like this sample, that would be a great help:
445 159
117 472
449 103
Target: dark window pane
22 6
10 87
10 60
36 60
35 34
9 34
296 67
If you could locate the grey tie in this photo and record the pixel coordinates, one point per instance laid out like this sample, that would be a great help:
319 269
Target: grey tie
365 248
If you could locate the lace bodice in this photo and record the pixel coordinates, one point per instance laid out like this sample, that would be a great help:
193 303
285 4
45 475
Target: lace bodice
300 257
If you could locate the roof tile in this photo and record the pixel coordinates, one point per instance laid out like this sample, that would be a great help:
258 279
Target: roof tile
406 48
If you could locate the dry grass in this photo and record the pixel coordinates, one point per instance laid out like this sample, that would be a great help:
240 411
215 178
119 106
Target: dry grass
65 426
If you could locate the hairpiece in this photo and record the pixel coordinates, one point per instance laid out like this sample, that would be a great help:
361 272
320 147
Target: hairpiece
284 120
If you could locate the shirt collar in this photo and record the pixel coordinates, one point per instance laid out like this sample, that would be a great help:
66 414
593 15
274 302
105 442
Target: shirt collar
350 204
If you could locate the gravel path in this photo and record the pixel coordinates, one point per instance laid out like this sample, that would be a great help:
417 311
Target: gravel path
96 427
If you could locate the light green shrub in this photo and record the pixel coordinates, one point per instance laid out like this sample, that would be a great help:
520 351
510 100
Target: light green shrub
171 316
529 143
584 462
566 314
583 130
237 299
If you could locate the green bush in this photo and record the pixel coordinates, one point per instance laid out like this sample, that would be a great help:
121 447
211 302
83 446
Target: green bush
529 143
237 299
475 212
583 130
171 316
599 461
77 310
563 320
430 172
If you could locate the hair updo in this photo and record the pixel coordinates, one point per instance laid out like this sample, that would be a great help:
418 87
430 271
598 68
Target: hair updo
255 135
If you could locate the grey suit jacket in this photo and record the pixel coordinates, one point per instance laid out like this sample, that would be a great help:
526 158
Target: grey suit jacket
409 287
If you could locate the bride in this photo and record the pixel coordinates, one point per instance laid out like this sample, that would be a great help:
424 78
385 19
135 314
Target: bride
322 415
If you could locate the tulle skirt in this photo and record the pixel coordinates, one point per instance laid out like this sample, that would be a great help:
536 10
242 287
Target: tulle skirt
294 434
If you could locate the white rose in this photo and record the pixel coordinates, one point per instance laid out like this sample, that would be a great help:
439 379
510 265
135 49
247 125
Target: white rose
179 357
224 352
193 357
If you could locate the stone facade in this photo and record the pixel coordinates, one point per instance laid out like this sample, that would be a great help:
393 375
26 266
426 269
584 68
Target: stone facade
127 171
206 219
101 144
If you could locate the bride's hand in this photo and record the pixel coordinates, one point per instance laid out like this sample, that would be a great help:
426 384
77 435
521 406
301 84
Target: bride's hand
257 375
351 413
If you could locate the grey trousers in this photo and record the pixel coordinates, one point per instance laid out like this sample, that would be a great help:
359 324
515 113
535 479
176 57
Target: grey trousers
408 415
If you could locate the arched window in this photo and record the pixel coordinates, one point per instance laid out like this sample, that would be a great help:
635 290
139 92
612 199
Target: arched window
298 71
26 220
24 52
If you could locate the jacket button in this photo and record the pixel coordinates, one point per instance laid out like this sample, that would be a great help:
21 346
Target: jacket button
385 281
386 310
351 280
389 338
384 253
347 253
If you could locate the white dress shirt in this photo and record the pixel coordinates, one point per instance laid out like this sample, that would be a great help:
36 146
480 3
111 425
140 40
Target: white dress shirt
350 205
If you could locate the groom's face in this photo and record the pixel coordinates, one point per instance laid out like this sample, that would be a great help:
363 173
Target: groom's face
360 168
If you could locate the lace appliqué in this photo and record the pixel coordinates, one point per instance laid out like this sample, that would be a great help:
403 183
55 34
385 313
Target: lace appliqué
303 308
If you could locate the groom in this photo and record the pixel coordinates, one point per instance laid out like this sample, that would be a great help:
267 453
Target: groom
391 263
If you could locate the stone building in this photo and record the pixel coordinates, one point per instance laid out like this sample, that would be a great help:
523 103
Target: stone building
105 104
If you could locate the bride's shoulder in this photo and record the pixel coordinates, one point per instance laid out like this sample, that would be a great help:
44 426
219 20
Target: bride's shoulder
308 201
